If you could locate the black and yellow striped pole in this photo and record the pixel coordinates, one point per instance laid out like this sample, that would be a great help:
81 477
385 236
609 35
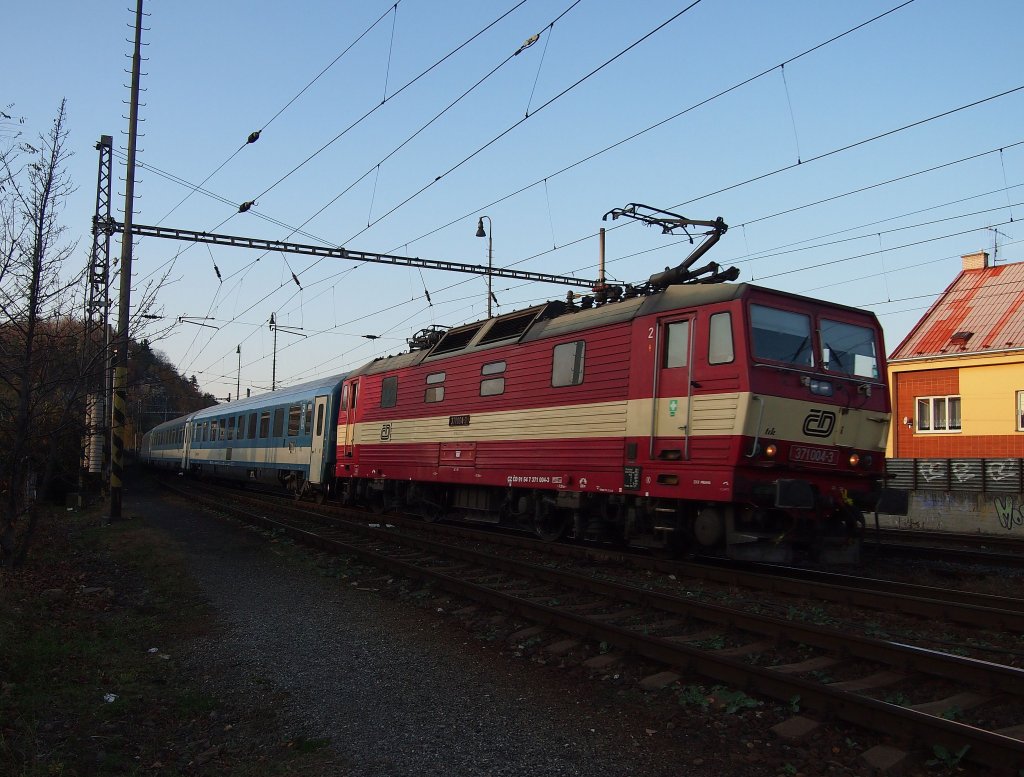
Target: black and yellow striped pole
117 425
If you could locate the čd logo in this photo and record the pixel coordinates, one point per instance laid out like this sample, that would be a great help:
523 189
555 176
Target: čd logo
819 423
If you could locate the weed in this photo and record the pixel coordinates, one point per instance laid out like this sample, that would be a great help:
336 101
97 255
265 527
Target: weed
695 696
947 758
733 701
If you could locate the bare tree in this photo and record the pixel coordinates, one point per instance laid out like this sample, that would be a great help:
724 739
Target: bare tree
41 374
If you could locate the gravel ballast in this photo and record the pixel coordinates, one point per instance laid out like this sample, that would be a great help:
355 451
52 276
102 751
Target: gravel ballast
400 689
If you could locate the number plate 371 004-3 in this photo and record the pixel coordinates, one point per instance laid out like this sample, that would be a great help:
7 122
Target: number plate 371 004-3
808 455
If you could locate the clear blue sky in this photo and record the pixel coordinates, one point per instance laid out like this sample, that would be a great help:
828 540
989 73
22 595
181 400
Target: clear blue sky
217 71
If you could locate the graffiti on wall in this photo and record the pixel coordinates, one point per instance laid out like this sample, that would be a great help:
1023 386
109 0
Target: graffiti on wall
966 471
1009 512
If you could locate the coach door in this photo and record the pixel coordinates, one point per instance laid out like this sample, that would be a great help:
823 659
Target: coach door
316 447
673 389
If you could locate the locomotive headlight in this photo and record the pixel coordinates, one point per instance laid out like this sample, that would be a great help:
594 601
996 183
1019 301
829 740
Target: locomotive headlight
854 459
821 387
770 450
867 460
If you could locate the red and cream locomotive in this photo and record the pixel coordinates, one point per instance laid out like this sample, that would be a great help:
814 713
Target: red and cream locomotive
687 412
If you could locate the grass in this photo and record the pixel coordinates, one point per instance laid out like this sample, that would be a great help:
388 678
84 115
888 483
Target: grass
82 690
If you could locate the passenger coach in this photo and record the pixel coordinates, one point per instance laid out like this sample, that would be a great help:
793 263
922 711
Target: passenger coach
284 437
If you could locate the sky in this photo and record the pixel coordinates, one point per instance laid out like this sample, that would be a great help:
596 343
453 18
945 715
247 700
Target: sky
856 151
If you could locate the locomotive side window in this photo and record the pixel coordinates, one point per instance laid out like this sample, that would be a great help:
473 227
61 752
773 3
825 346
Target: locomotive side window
490 387
848 349
389 391
567 364
294 419
781 335
435 387
677 343
720 345
279 422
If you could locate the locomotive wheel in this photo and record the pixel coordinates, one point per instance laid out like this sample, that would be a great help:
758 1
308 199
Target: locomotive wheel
552 526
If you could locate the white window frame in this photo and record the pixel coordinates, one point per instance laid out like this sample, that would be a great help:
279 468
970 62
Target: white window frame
1020 411
932 427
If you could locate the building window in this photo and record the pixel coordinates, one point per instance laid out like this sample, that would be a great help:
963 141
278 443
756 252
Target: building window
435 387
389 392
567 364
938 414
1020 411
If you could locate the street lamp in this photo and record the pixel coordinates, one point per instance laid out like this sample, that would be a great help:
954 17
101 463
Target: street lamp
288 330
489 234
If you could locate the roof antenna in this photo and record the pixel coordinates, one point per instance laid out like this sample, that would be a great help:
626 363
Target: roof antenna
995 243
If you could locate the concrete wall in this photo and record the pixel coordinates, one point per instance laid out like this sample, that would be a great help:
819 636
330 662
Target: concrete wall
960 511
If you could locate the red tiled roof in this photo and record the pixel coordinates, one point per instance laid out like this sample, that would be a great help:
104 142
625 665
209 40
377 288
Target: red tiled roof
982 310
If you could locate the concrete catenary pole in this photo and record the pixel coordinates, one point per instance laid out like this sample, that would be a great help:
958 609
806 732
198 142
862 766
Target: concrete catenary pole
117 425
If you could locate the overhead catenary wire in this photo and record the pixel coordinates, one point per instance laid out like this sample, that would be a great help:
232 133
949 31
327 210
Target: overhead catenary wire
1008 199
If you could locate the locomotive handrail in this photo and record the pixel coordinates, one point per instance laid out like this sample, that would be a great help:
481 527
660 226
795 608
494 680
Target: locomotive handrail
757 433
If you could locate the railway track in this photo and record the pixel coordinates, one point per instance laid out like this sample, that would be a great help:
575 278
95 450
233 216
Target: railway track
792 662
981 549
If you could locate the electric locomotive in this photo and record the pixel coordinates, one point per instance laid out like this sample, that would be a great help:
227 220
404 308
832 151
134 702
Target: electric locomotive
690 413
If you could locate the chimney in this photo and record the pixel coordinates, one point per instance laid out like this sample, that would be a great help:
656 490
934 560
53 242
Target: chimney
975 261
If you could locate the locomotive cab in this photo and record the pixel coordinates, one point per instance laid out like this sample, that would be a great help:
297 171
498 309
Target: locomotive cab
767 428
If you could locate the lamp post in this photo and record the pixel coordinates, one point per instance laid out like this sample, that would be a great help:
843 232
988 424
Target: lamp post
238 376
489 234
288 330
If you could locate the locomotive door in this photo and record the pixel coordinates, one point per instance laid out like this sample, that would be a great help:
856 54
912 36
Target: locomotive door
316 446
673 389
346 418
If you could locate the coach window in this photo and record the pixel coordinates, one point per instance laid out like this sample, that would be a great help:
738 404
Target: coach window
294 419
720 346
279 422
490 387
389 391
252 426
677 343
781 335
320 420
567 364
231 428
435 387
264 424
308 428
